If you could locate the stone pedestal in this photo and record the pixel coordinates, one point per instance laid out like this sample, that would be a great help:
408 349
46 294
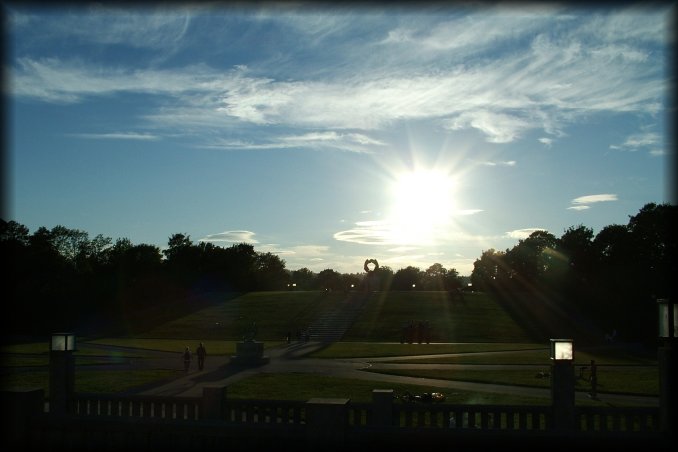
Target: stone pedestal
326 422
562 394
249 353
61 380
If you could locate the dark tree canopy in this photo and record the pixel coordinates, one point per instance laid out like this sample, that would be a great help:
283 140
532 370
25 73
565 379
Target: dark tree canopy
69 279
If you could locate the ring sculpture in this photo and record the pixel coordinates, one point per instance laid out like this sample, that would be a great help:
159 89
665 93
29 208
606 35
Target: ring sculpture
371 261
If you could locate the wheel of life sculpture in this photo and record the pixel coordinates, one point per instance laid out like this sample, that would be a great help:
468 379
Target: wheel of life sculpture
371 261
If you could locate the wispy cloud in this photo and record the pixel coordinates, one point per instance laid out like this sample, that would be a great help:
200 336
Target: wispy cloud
231 237
310 256
498 127
649 141
582 202
504 163
367 233
468 211
152 28
522 233
589 199
387 232
351 142
116 136
593 63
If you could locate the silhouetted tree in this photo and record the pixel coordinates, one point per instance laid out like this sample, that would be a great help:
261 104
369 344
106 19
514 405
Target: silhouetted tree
329 279
270 272
406 278
489 270
303 278
384 277
240 265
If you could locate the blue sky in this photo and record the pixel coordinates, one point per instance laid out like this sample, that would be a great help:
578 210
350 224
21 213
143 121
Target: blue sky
330 135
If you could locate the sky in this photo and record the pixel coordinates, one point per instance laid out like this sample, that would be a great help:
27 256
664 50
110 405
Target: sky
331 134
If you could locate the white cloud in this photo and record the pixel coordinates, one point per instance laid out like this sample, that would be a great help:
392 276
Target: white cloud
385 232
149 28
351 142
231 236
468 211
635 142
367 233
116 136
546 141
504 163
522 233
589 199
582 202
402 249
498 127
547 80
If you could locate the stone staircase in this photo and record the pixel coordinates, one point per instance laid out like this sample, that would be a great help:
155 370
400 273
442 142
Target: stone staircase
331 325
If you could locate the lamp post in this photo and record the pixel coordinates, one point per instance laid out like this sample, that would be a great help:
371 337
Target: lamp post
61 371
562 383
666 363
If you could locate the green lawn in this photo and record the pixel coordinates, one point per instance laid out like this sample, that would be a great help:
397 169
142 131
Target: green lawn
641 381
275 313
477 319
476 325
380 349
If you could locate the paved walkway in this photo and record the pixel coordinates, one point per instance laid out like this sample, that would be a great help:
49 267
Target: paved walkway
290 358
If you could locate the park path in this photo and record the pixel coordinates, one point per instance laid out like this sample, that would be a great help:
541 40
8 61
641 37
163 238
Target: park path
290 358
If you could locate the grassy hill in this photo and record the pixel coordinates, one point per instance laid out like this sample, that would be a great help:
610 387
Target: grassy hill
477 318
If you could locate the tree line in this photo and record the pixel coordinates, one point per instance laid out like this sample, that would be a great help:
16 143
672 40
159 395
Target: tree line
62 278
613 277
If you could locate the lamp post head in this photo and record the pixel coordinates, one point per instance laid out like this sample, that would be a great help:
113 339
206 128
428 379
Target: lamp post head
62 342
562 349
667 318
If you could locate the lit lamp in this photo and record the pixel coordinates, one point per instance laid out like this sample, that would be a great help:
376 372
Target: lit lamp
562 383
667 318
61 371
562 350
62 342
666 364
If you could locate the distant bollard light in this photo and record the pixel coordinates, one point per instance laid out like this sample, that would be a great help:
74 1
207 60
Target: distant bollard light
62 342
562 350
668 318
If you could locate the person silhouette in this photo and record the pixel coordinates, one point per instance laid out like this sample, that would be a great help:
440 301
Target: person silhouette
201 356
187 359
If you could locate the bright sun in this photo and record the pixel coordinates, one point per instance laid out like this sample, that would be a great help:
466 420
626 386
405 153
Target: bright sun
422 204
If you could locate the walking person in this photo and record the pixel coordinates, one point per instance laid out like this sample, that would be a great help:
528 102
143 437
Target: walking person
201 355
187 359
594 381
